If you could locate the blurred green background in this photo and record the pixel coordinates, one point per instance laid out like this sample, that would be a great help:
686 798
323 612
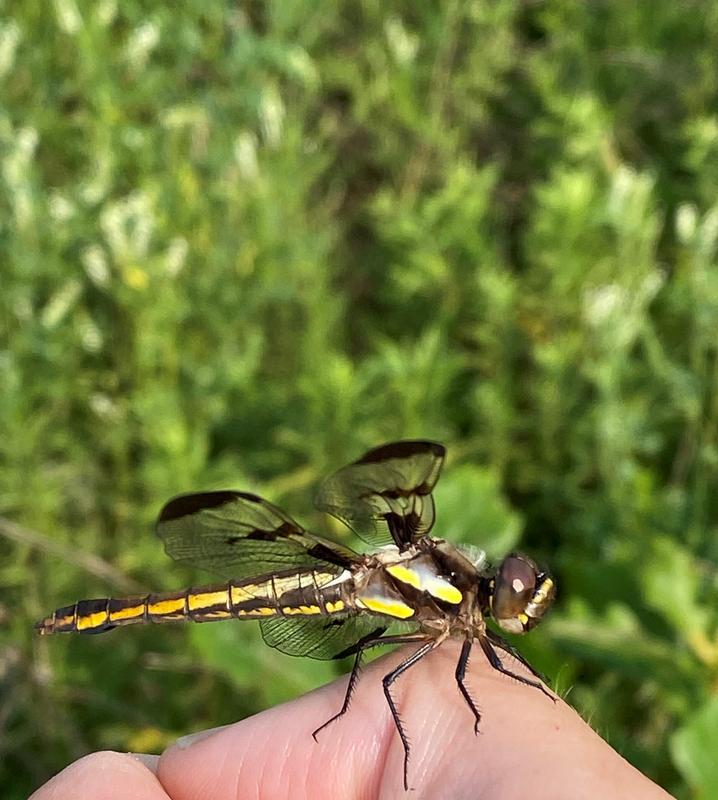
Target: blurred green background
242 242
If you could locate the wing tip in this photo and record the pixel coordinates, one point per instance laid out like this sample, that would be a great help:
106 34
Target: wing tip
186 504
402 449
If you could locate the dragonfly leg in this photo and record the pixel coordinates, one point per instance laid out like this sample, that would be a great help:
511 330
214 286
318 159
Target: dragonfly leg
387 681
460 675
497 664
499 641
366 644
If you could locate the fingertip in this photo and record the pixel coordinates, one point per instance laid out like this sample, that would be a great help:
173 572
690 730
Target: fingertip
104 776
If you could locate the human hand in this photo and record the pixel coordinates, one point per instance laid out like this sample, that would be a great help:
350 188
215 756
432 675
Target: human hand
528 746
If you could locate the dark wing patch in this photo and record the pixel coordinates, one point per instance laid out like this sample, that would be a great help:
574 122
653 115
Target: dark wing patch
385 496
240 535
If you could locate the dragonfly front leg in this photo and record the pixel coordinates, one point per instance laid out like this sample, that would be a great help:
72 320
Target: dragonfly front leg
499 641
498 665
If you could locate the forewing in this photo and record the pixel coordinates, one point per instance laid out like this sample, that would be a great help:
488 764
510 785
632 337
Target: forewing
385 496
324 637
240 535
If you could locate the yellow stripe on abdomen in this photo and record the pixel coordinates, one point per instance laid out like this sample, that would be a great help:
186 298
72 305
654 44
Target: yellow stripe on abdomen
128 613
172 605
92 621
202 599
291 610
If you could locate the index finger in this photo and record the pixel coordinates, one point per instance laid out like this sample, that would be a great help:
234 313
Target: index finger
527 744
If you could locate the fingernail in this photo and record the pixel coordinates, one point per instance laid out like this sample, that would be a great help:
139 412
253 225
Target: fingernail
187 741
148 760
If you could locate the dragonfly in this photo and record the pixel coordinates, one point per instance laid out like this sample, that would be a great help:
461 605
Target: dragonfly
319 598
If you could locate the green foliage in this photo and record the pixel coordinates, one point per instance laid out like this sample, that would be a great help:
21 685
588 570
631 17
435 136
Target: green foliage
693 746
240 243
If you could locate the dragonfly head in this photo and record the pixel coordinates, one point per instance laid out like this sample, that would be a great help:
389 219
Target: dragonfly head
521 594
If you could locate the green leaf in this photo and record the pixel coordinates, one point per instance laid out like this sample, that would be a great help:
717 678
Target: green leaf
671 583
694 747
471 508
602 638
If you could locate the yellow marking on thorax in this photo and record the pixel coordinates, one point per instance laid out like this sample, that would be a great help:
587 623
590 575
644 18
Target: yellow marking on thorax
289 610
196 602
383 605
405 575
91 620
332 608
127 613
425 581
167 606
446 592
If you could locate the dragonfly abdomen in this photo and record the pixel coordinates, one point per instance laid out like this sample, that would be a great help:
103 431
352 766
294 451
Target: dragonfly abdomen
283 594
104 614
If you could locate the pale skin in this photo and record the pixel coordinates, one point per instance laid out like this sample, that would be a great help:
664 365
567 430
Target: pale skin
528 746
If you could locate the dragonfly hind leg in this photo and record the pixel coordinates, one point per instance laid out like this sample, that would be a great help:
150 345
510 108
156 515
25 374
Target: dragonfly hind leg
387 681
365 644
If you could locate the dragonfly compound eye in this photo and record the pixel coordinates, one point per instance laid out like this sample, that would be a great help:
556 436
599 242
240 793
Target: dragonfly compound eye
521 594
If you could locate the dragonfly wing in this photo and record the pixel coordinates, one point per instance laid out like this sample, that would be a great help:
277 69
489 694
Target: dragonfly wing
385 496
325 637
240 535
